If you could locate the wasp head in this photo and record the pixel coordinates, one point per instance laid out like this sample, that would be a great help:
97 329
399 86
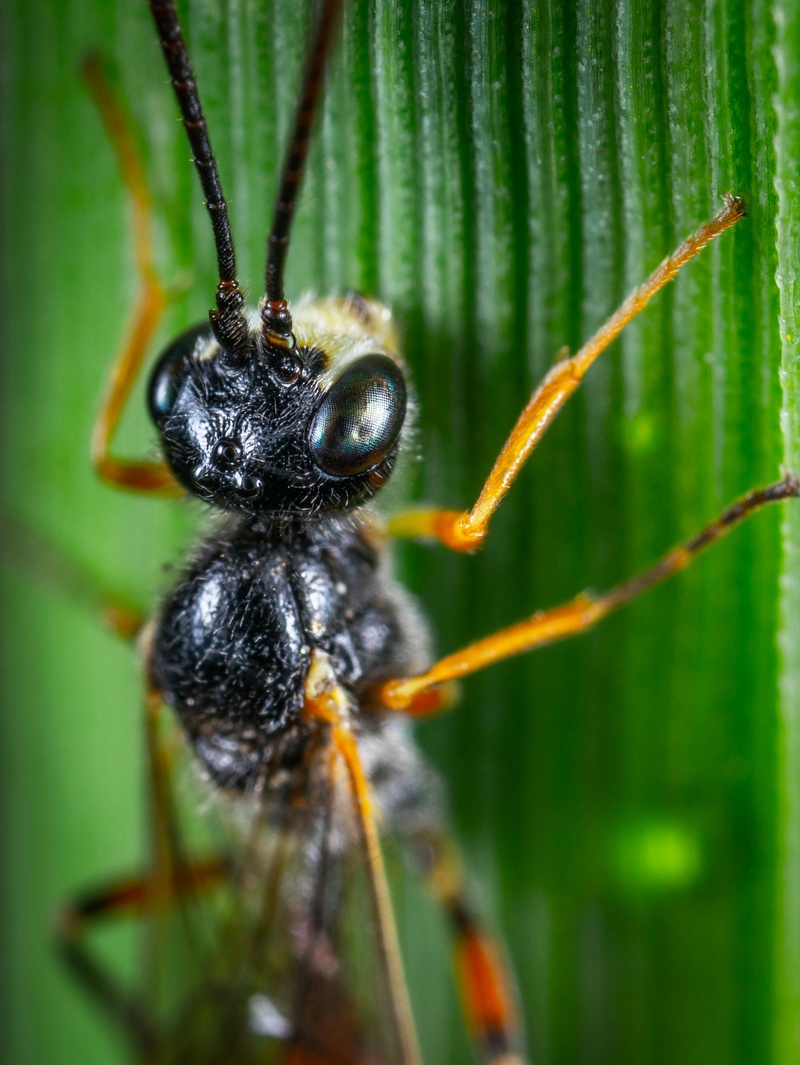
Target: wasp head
315 427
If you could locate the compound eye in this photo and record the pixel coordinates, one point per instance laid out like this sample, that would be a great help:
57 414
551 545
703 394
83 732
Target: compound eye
167 376
359 420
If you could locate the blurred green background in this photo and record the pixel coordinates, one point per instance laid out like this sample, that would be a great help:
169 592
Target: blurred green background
501 173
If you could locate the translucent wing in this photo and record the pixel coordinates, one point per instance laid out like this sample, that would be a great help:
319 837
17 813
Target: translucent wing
292 959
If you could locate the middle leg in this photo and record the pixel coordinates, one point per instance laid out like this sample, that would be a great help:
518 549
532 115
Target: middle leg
413 694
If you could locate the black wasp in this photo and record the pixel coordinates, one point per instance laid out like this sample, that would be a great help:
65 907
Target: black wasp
293 660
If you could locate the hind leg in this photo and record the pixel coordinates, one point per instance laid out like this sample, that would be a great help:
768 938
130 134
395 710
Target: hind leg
408 795
488 997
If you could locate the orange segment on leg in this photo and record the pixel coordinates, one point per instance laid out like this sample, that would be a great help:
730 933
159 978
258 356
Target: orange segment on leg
152 478
581 613
486 985
140 476
486 1000
345 743
464 530
326 702
542 628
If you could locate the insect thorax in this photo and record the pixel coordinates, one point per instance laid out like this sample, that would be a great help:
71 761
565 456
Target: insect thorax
233 641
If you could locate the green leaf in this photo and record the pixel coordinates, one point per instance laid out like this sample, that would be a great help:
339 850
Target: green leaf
503 174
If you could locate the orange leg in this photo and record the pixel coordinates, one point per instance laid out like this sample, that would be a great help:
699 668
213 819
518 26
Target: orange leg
582 613
464 530
152 478
325 701
485 987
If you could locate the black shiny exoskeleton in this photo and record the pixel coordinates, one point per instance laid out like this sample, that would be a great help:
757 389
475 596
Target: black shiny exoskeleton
234 640
292 574
265 436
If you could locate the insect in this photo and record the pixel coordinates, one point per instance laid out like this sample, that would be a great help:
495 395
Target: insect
223 456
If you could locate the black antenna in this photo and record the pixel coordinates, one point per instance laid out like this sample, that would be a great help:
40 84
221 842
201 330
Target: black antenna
228 322
275 316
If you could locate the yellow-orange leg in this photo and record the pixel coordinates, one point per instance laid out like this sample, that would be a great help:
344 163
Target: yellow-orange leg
152 478
326 702
464 530
485 985
577 616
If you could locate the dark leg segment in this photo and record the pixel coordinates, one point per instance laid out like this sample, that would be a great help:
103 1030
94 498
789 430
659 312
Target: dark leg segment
170 881
126 898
